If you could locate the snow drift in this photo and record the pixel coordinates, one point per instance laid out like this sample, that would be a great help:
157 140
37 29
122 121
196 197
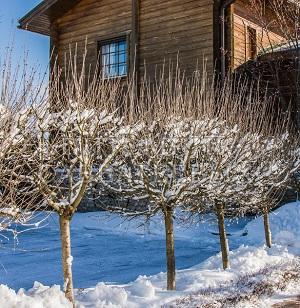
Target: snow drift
285 227
150 291
38 297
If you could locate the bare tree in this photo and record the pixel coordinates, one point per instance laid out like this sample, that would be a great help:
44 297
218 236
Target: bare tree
156 168
238 172
192 152
271 176
70 141
156 165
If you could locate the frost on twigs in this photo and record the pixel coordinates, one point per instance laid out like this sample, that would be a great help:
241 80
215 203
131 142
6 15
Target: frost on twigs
68 150
69 142
214 152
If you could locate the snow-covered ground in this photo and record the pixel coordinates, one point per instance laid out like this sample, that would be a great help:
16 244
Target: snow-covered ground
103 251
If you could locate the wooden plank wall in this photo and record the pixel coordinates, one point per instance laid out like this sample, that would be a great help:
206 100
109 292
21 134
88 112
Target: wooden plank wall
167 30
176 29
90 21
243 17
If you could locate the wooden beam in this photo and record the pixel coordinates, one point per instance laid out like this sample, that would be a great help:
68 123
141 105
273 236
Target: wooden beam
230 40
53 65
134 46
217 38
54 42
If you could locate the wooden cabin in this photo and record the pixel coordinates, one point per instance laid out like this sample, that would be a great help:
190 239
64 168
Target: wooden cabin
130 36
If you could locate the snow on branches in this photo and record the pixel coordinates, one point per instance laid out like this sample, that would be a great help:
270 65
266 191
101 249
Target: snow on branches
209 161
66 152
70 149
238 171
177 145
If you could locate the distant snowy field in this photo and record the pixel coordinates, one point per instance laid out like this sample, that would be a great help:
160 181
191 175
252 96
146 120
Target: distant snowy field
115 252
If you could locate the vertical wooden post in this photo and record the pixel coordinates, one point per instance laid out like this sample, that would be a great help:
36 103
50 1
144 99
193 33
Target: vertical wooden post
53 54
217 38
224 35
54 41
230 39
134 45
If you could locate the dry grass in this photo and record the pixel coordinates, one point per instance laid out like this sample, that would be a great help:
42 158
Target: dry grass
248 288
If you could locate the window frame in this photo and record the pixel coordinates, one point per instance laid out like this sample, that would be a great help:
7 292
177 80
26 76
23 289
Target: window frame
110 40
252 43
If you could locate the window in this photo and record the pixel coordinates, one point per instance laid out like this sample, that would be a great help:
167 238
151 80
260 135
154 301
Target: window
252 43
113 55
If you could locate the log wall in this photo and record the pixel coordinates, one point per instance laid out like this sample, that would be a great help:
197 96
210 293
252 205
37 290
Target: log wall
168 30
243 17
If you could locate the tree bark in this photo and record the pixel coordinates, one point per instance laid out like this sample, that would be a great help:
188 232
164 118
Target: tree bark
268 234
65 237
171 279
223 237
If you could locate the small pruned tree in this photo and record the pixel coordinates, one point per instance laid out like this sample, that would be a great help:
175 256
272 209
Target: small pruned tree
238 172
240 157
70 141
271 172
66 153
157 168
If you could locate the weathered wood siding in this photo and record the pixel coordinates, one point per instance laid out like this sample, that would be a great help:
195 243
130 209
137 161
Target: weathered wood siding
90 21
176 29
169 30
244 17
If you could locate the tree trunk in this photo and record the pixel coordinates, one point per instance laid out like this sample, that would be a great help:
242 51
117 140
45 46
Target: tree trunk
222 234
298 89
65 237
171 282
268 234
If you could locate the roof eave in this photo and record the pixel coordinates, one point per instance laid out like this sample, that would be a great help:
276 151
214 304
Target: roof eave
37 16
29 27
40 18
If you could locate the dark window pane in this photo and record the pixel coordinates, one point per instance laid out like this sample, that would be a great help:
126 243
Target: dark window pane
114 59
